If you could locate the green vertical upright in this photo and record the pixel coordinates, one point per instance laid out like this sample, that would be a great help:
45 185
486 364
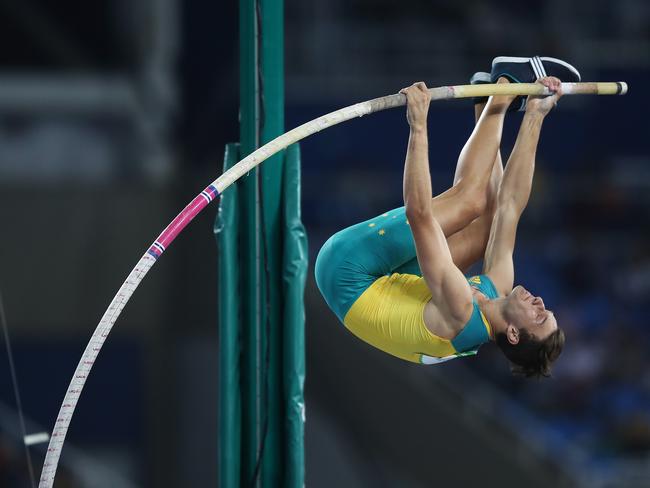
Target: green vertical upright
272 76
251 246
294 275
272 263
226 230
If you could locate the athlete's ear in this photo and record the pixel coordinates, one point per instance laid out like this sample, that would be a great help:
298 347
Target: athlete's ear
512 333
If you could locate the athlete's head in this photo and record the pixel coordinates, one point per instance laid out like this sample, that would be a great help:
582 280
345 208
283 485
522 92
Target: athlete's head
532 339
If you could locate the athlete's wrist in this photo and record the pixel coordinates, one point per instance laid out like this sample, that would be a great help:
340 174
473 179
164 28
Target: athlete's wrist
419 130
535 116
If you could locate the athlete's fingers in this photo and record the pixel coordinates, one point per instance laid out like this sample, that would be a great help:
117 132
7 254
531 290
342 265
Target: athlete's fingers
551 82
416 85
558 90
554 85
416 92
407 90
421 85
417 104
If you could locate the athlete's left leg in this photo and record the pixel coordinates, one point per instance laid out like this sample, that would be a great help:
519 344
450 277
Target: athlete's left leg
468 245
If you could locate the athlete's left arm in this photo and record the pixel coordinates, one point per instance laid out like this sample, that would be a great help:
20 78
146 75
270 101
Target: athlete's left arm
515 189
450 292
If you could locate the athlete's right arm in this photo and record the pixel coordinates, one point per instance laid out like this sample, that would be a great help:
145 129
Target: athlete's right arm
450 291
514 191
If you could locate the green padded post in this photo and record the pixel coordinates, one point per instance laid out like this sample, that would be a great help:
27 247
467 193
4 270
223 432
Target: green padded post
294 274
272 75
251 250
226 231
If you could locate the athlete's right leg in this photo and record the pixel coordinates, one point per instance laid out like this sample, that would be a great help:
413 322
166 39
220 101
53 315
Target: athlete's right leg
468 199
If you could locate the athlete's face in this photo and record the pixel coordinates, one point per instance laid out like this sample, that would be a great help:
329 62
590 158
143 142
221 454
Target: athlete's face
526 311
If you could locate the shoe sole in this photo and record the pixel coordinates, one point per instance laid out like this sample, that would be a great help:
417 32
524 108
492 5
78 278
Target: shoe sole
514 59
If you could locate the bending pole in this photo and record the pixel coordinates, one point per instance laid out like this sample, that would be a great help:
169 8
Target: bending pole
219 185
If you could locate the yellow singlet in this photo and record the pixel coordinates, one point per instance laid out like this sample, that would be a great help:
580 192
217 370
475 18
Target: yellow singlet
389 316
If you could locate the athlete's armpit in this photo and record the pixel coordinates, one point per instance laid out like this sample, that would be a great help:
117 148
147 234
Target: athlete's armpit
498 264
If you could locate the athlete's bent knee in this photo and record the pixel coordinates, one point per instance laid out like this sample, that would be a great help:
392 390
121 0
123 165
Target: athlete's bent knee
475 204
474 197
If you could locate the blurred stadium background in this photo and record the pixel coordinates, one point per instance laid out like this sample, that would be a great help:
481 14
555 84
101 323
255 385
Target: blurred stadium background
114 114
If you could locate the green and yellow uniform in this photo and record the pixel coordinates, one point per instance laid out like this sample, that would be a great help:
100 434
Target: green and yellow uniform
370 277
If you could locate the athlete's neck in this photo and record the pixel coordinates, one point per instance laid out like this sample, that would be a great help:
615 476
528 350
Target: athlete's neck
493 311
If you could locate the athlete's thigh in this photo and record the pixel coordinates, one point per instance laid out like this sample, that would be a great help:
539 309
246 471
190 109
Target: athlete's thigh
452 210
468 245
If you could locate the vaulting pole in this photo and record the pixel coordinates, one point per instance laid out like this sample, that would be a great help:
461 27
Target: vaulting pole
223 182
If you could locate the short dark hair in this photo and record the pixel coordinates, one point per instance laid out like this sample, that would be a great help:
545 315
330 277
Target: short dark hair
531 357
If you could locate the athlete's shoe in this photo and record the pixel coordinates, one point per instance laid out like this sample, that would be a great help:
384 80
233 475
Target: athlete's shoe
529 70
480 78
